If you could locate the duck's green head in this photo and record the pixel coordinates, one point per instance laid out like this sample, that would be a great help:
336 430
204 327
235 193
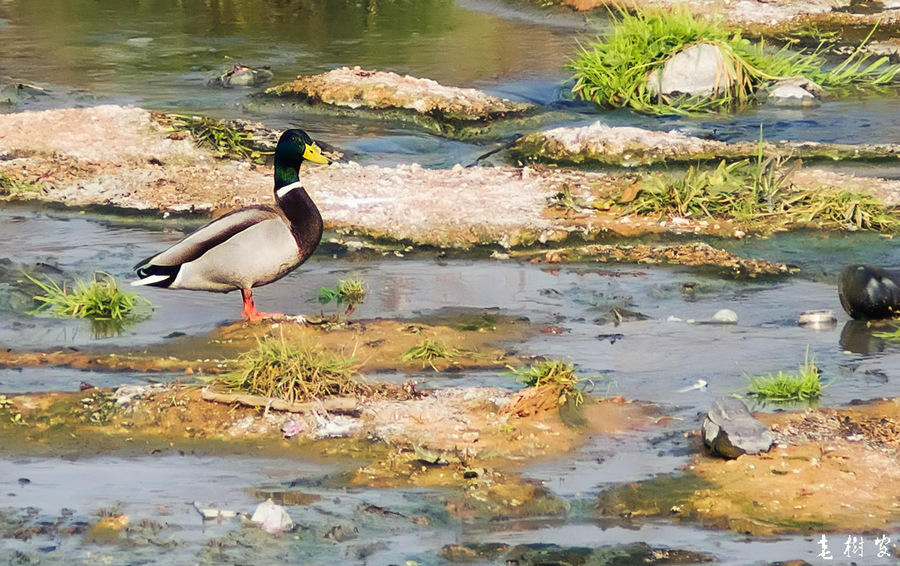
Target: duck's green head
293 148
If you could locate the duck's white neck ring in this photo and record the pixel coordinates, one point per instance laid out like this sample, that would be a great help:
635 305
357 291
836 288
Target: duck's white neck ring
283 191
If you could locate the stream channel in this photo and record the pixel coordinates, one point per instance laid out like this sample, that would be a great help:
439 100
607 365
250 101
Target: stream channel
159 55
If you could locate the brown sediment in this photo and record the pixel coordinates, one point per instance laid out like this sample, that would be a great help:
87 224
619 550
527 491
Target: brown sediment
376 345
695 254
457 438
832 470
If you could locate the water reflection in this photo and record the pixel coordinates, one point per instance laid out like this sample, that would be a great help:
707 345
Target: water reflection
859 336
158 49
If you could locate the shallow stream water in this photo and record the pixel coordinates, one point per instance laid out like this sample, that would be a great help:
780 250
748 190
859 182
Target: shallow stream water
160 55
653 360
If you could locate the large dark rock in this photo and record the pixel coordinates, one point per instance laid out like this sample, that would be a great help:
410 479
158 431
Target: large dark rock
869 292
729 430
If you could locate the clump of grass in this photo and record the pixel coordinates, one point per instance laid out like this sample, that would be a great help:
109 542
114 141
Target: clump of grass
350 292
556 373
755 191
9 410
428 351
99 299
805 385
11 186
294 373
612 70
219 135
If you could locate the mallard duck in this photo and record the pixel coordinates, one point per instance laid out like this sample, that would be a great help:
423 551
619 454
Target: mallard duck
869 292
252 246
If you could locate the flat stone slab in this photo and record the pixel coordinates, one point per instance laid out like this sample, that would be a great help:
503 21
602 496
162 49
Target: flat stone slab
379 90
631 147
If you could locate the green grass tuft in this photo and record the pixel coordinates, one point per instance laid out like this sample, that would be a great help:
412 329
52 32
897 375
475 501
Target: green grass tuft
294 373
805 385
100 299
756 191
612 71
350 292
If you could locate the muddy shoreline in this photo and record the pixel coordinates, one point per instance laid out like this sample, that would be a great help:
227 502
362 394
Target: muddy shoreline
467 444
120 157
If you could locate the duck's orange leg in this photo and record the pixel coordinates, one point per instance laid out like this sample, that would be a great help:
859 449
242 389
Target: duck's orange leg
249 311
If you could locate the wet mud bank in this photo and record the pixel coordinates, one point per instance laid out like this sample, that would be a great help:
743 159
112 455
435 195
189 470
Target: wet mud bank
832 470
120 157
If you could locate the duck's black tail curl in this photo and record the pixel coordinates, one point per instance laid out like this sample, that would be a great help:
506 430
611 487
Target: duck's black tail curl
156 275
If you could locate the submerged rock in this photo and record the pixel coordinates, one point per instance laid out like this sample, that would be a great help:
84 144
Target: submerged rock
817 319
869 292
794 92
729 430
241 76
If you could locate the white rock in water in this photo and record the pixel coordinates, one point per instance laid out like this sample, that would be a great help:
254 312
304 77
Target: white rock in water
792 96
699 70
817 319
725 316
273 518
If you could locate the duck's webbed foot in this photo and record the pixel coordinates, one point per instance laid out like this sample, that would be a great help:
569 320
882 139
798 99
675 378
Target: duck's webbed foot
249 311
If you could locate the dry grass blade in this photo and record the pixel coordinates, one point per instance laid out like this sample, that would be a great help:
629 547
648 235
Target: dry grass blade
428 351
218 135
295 373
555 375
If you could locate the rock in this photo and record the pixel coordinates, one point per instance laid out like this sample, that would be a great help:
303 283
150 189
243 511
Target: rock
817 319
868 292
242 76
789 96
725 316
729 430
698 70
722 316
380 90
213 513
273 518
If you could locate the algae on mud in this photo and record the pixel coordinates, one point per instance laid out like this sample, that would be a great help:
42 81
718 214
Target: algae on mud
833 471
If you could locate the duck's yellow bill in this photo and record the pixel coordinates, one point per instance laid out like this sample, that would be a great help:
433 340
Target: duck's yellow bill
314 154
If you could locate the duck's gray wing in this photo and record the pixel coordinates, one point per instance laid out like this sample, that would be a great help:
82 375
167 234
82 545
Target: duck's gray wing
208 237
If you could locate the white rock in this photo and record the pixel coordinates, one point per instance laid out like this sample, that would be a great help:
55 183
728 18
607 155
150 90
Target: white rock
725 316
792 96
698 70
273 518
